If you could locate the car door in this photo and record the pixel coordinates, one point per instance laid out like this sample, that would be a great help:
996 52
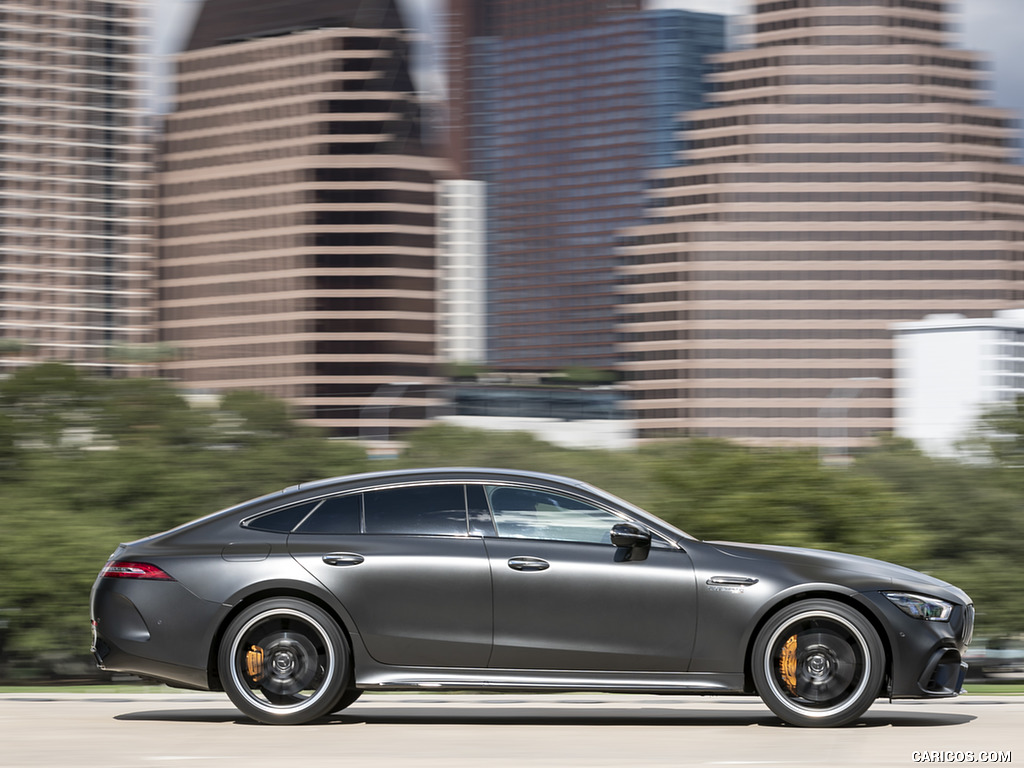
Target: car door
566 598
403 563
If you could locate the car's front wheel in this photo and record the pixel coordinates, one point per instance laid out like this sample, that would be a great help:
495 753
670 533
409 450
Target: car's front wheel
284 661
818 663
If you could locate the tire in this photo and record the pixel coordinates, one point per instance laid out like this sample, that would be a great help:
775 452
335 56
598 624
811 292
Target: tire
348 698
284 661
818 663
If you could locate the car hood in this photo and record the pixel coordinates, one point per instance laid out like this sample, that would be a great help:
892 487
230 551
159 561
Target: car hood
854 570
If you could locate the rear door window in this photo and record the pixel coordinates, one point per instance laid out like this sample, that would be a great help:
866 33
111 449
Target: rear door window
420 509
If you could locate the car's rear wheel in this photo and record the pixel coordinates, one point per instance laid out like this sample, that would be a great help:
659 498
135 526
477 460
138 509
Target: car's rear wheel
284 661
818 663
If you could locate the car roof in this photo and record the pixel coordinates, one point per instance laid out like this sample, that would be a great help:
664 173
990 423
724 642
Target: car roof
440 473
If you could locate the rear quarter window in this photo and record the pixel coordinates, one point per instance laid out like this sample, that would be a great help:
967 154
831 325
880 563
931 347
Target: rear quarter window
281 520
337 515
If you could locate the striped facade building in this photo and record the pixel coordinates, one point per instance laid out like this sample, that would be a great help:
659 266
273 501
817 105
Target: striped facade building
76 191
849 175
297 224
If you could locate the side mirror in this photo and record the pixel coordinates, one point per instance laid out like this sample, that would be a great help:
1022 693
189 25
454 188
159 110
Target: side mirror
630 535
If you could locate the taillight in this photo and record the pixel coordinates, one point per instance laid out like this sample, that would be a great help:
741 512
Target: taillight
125 569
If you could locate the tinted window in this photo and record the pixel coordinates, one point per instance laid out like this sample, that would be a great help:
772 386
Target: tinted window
480 521
282 520
336 515
526 513
424 509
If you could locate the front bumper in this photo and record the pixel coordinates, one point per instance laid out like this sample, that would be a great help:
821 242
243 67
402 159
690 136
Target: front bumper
927 656
944 674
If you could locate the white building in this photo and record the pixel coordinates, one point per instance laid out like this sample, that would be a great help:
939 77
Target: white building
462 251
603 434
950 369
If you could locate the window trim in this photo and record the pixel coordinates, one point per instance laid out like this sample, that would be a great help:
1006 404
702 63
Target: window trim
656 535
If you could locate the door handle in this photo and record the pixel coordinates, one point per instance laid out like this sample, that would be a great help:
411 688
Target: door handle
528 564
343 558
732 581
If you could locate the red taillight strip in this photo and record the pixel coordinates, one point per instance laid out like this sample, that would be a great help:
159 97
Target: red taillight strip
126 569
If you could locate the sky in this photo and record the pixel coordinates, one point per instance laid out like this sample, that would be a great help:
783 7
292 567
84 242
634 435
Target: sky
995 28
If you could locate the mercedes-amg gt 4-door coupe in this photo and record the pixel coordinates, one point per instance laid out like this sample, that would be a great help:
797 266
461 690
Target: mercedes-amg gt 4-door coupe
296 602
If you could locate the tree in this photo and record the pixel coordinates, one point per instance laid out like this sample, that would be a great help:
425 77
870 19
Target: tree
94 462
999 435
44 402
720 490
970 523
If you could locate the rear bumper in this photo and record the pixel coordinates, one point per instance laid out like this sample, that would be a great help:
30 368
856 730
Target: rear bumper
154 629
110 658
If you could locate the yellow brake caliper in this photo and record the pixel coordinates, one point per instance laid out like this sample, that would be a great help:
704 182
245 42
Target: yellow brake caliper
254 663
787 664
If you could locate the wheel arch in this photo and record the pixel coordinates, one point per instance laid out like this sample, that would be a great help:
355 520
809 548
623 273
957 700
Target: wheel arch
818 593
266 592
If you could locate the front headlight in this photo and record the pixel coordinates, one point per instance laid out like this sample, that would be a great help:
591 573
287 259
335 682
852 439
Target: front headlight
921 607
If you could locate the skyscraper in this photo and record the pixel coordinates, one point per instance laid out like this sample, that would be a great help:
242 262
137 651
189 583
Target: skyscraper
562 108
849 175
76 184
298 208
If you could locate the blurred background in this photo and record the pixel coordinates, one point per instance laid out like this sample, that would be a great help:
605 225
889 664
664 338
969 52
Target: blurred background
756 266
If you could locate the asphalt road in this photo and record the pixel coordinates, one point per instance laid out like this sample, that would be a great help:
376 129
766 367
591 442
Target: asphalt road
497 731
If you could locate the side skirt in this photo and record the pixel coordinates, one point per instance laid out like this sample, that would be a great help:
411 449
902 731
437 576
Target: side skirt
380 677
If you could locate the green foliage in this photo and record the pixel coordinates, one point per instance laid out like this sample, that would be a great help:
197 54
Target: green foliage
462 370
43 403
594 376
719 490
12 346
971 523
10 454
50 559
443 445
93 462
1000 435
447 446
142 353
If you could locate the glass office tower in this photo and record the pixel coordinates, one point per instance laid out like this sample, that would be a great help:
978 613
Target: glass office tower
563 108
